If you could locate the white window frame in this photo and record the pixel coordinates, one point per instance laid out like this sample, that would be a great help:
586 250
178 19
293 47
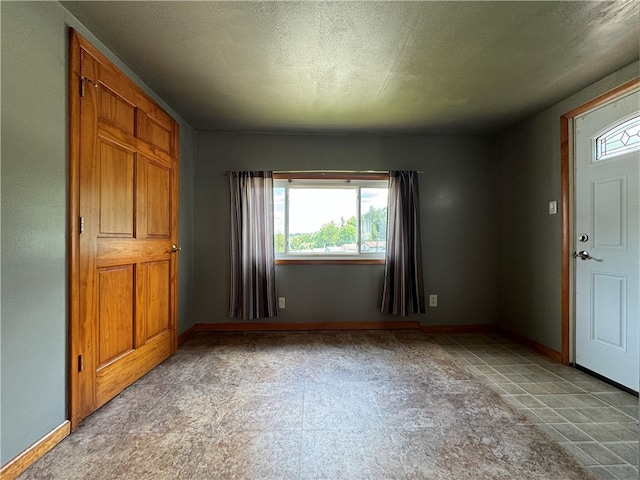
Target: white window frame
333 182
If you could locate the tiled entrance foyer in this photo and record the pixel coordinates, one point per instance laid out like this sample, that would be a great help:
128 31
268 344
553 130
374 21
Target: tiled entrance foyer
375 405
595 422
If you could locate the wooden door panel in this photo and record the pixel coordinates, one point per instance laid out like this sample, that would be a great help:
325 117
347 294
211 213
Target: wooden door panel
116 110
157 305
117 174
109 380
158 200
122 138
122 251
153 132
121 88
115 311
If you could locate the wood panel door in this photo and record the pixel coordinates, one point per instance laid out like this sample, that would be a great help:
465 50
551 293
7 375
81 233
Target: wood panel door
123 205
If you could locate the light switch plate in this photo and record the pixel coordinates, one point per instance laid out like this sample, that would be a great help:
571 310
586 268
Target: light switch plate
553 207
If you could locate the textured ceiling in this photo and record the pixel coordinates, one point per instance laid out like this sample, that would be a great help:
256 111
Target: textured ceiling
393 67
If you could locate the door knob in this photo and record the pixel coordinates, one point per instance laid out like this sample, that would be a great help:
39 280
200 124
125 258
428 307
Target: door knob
582 255
175 248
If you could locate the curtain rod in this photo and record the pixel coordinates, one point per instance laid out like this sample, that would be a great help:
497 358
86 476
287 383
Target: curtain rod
337 171
365 172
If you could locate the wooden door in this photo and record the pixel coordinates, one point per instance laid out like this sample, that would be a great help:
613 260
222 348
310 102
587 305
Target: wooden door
123 169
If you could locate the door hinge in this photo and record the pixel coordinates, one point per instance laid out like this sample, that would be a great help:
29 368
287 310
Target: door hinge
81 225
80 363
83 81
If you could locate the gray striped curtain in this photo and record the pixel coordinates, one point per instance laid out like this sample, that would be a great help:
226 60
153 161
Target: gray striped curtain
253 286
403 291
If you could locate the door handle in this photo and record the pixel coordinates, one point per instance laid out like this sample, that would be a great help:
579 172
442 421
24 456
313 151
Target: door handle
582 255
175 249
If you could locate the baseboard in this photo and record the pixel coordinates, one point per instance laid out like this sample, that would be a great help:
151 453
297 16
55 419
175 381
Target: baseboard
307 326
444 329
532 344
187 334
314 326
23 461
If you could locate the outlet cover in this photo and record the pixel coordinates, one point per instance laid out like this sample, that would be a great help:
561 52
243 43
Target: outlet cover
433 300
553 207
281 302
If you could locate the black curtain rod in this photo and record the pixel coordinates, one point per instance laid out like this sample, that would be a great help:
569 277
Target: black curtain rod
363 172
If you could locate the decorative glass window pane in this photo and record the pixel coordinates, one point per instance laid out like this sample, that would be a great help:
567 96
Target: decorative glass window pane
620 139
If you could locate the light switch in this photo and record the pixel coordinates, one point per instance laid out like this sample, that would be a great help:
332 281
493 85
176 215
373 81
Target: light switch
553 207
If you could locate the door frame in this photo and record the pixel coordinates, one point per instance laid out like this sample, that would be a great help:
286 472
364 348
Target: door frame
567 201
73 199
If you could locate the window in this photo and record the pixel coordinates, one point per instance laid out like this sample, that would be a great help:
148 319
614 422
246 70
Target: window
622 138
330 217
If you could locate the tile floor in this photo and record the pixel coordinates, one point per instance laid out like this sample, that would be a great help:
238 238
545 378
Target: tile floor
354 405
595 422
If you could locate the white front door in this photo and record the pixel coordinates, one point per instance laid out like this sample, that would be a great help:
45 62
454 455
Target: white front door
607 240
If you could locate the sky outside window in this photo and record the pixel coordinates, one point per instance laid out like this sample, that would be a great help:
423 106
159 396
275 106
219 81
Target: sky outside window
311 208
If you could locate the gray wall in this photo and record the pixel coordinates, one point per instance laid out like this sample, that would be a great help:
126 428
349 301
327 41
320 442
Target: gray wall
459 224
34 218
186 233
530 238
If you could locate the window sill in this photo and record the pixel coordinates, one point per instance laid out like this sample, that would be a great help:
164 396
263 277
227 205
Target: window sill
324 261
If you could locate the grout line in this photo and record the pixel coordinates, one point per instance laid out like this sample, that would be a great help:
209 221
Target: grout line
518 356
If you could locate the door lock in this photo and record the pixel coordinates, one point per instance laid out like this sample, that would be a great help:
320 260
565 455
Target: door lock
582 255
583 237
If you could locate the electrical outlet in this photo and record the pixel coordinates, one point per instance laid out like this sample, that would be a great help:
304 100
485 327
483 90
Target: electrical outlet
553 207
433 300
282 303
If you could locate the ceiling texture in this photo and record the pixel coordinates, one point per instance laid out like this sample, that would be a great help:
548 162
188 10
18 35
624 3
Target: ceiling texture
365 66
